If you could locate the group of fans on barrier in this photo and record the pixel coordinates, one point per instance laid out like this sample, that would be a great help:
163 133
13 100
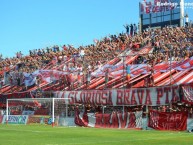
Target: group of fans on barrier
168 43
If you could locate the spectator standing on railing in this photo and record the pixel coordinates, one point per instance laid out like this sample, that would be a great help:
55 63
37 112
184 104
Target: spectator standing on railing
1 57
135 29
64 48
47 49
80 73
88 76
127 29
39 53
79 78
82 53
131 29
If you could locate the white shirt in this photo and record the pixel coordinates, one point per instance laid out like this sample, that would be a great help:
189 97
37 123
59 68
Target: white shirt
82 53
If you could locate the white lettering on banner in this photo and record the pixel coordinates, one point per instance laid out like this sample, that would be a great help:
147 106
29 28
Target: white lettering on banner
28 113
117 97
119 120
16 119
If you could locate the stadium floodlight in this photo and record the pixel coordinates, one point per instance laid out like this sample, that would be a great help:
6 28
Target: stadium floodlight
37 102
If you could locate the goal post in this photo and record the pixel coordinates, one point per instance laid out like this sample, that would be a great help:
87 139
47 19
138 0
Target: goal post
18 107
52 112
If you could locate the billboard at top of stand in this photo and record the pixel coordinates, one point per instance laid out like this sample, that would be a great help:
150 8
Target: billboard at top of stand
156 6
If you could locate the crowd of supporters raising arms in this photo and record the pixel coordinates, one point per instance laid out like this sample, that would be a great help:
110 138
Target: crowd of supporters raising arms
168 43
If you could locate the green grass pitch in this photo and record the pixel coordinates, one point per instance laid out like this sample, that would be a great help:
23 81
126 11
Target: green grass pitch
46 135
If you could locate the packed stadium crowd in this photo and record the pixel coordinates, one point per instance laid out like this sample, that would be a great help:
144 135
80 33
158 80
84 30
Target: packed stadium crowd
168 43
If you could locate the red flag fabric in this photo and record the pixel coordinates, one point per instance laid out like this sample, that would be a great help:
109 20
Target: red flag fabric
176 121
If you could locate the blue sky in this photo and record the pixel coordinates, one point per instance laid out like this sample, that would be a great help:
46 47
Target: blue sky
33 24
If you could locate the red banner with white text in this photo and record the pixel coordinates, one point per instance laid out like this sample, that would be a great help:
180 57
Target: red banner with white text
127 120
168 120
118 97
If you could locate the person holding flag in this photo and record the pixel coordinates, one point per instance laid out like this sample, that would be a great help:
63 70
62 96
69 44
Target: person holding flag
128 75
128 72
106 77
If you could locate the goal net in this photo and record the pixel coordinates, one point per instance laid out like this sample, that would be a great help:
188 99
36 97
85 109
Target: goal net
39 110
